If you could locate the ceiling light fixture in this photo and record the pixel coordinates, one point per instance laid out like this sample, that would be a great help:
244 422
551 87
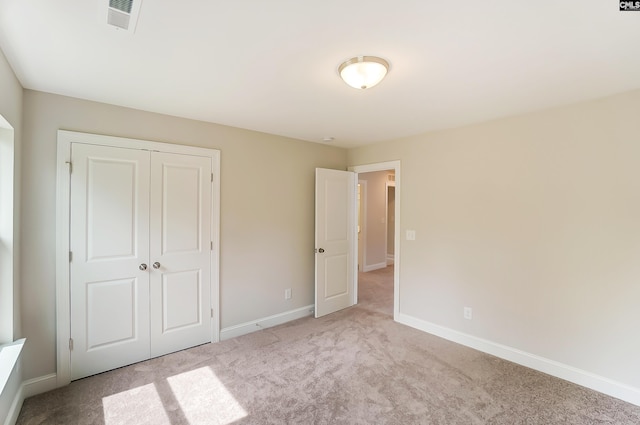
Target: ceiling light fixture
363 72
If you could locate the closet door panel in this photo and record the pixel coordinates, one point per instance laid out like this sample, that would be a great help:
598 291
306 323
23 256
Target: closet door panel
180 253
109 225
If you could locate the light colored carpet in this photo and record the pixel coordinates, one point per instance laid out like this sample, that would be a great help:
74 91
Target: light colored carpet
356 366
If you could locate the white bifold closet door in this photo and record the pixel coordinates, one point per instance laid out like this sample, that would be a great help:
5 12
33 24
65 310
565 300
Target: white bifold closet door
140 267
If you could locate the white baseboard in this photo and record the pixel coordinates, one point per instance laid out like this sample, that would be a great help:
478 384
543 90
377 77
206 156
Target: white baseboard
372 267
265 322
390 259
39 385
27 389
14 410
568 373
11 381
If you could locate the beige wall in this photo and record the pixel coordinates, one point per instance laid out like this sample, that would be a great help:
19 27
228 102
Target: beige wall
534 222
267 210
11 94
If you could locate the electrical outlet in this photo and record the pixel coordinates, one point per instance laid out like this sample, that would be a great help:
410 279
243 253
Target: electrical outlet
287 294
411 235
468 313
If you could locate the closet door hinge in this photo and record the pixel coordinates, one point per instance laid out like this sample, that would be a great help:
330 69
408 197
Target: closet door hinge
70 166
211 177
211 245
211 312
70 344
70 256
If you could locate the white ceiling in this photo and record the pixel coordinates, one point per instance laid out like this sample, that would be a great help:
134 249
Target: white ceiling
271 65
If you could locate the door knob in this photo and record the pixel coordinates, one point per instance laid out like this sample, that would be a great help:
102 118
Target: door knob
143 267
156 265
321 250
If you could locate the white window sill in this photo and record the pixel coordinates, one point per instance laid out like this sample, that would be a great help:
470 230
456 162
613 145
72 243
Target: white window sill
9 354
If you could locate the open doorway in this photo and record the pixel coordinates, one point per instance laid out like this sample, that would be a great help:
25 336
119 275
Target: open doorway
391 219
375 224
378 213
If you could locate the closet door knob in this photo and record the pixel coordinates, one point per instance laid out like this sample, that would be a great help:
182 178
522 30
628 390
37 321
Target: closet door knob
156 265
143 267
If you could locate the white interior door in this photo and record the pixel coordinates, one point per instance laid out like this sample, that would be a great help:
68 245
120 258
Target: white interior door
109 234
180 257
335 240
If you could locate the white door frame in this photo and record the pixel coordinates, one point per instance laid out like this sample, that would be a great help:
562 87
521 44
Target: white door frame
388 184
63 181
363 227
383 166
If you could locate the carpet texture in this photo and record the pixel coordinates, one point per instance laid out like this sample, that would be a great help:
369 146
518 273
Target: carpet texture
355 366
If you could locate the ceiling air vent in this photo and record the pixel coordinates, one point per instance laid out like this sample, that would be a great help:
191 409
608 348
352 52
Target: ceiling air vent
123 14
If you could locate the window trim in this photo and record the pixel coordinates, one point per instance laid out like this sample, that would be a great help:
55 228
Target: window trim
7 231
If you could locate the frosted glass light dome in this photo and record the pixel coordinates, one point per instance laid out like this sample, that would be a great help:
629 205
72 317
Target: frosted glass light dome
363 72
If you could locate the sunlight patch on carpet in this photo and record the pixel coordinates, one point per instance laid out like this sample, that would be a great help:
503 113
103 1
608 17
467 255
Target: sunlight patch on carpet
132 405
204 399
